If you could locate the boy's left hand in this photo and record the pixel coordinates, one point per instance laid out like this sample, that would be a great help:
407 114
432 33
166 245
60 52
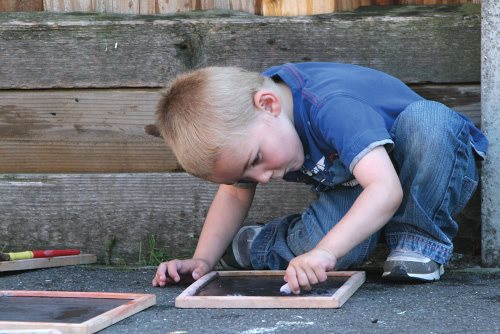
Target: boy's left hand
308 269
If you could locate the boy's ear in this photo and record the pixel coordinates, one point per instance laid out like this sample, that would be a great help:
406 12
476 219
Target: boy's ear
152 129
268 101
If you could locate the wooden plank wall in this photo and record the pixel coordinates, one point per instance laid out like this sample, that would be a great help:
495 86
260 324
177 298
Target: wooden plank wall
76 92
102 130
260 7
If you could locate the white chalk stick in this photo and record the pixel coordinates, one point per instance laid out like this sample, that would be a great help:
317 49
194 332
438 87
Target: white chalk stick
285 289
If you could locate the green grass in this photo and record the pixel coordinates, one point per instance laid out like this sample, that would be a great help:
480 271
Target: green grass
152 255
109 249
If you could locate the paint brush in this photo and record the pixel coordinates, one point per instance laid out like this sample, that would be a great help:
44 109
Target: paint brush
37 254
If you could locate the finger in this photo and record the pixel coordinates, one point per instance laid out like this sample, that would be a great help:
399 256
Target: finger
172 273
291 279
155 282
160 278
320 274
196 275
303 280
196 268
311 276
200 270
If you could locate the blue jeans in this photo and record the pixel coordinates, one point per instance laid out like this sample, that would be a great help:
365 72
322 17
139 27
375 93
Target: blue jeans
436 166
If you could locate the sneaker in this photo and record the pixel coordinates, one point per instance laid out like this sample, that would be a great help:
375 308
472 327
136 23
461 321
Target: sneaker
411 267
237 255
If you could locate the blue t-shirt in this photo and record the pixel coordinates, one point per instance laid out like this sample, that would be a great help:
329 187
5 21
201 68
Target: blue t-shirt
342 112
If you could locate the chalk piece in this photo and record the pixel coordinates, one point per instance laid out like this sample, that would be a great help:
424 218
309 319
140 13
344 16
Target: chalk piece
285 289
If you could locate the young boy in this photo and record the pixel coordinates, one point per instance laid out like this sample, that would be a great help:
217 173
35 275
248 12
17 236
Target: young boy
379 155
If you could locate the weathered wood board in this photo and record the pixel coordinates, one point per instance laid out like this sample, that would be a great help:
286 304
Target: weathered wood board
81 131
68 312
261 289
49 262
115 214
415 44
102 130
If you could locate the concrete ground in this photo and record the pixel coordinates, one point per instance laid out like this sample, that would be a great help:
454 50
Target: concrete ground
464 301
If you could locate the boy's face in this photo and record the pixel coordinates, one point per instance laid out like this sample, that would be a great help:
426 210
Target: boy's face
270 149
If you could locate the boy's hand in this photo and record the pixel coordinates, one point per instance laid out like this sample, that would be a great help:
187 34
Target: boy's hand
169 272
308 269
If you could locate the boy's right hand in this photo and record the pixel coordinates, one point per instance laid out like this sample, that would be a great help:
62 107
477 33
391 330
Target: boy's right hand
169 272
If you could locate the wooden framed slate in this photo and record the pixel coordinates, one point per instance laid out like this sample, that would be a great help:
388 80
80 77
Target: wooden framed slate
47 262
261 289
68 312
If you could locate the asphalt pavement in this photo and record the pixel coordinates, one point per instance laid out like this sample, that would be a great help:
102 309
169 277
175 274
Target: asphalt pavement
464 301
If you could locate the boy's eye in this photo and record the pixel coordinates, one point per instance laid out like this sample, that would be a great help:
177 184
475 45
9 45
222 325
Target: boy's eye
256 160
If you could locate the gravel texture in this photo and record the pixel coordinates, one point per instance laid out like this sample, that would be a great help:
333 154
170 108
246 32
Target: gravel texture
464 301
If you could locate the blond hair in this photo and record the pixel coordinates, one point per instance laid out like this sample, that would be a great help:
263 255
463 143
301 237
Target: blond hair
205 111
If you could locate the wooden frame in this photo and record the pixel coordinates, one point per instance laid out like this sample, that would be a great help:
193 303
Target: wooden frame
49 262
136 303
189 298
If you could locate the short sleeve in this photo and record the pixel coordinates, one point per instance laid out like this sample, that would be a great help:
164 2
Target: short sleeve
351 127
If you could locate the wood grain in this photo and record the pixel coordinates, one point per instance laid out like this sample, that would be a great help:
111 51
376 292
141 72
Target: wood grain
84 130
118 6
21 5
103 131
113 215
167 6
128 51
67 6
147 7
294 8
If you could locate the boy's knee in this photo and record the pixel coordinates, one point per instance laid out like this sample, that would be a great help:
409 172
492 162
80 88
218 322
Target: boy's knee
428 121
427 115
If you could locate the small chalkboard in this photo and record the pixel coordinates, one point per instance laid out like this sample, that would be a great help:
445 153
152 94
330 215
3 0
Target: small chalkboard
48 262
261 289
68 312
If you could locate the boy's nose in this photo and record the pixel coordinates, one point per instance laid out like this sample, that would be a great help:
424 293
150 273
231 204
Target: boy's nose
264 177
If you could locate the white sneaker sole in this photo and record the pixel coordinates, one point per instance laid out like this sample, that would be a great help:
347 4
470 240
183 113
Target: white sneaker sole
236 251
434 276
